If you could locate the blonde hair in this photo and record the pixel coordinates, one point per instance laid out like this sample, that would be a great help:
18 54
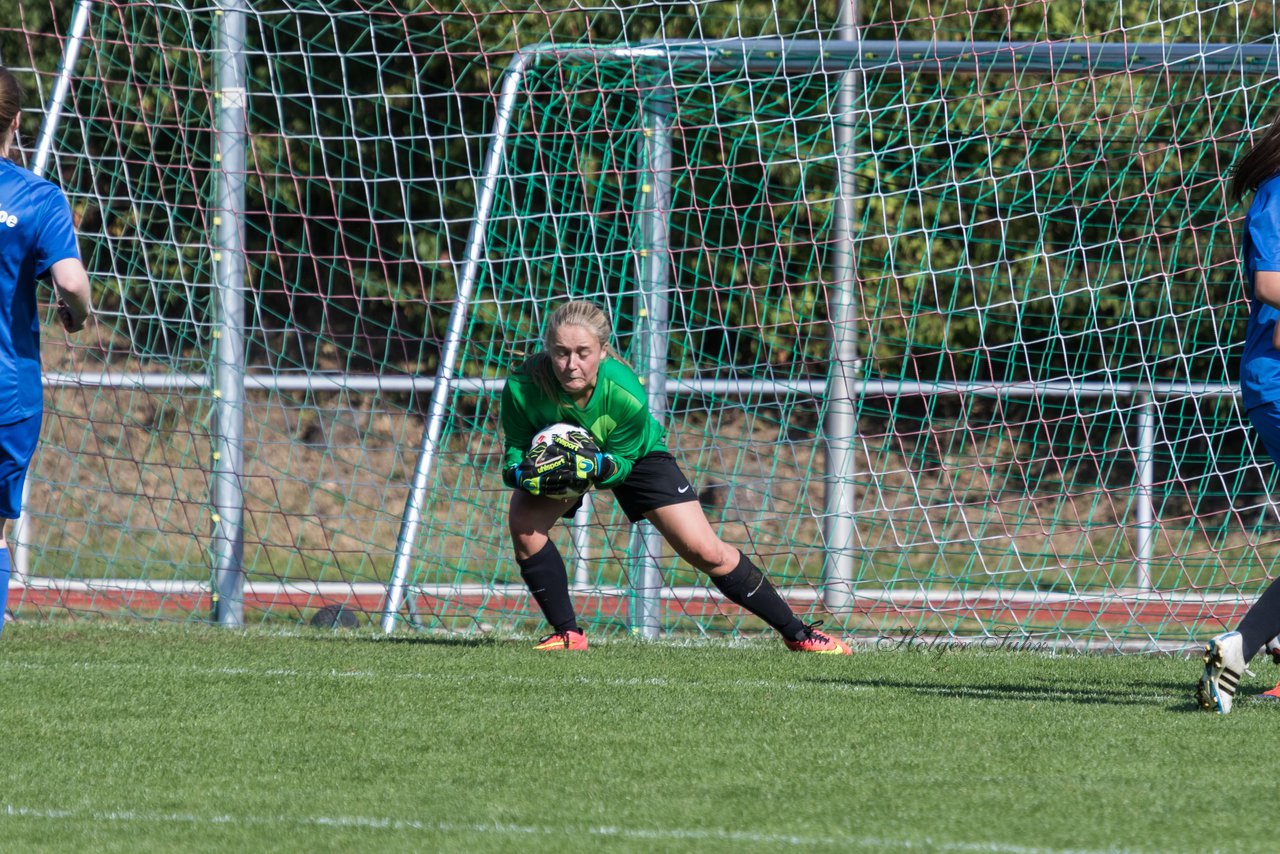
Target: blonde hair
10 106
580 313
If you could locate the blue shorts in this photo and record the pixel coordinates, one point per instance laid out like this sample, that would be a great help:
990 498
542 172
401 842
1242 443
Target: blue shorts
18 442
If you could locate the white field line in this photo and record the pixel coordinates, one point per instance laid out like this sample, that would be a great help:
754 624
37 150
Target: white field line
672 834
833 685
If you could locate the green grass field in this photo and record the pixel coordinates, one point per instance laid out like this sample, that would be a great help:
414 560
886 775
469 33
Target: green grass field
121 737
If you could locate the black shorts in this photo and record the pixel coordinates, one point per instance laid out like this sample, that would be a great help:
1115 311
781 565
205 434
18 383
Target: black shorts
655 481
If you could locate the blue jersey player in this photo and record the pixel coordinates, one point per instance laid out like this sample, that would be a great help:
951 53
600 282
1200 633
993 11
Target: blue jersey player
1257 172
37 240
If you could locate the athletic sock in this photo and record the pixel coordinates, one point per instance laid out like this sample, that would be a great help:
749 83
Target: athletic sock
747 586
1262 622
548 581
4 584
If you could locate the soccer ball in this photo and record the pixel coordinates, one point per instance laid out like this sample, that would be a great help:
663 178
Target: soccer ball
547 435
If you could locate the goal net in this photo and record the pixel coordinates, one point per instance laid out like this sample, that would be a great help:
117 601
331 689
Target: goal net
998 265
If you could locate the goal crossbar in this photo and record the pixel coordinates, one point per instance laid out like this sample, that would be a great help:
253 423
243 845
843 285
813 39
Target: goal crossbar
803 56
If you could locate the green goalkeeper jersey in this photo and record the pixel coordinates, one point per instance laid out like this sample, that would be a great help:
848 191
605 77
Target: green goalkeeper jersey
617 416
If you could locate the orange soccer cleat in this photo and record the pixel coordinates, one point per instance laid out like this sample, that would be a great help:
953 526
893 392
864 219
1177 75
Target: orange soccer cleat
817 641
562 642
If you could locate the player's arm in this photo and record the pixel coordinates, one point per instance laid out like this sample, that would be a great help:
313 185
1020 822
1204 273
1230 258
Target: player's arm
71 286
517 433
1263 232
537 473
58 257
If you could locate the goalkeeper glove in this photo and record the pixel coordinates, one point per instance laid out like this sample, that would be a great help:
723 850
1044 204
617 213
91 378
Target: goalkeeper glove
544 472
577 443
592 463
598 466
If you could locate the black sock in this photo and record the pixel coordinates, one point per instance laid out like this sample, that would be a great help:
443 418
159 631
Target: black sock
1262 622
746 586
549 583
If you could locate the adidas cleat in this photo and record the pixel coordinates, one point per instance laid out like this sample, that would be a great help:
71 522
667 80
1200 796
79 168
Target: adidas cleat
562 642
1223 667
816 641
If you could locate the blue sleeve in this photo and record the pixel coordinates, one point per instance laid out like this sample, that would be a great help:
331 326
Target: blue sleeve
56 238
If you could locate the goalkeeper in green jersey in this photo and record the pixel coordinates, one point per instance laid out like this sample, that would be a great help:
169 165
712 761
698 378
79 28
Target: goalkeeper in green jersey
576 379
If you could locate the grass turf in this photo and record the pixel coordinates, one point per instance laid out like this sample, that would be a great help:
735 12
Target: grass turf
120 737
